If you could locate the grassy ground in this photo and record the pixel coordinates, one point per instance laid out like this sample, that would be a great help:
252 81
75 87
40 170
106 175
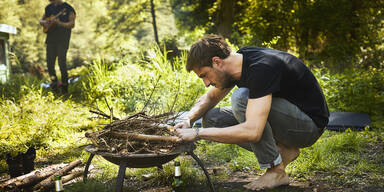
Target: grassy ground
339 161
351 161
348 161
30 115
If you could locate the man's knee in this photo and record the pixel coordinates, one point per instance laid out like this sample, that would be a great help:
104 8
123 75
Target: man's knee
219 117
239 103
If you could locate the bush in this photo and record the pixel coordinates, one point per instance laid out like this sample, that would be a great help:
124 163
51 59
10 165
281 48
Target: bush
129 86
37 120
354 90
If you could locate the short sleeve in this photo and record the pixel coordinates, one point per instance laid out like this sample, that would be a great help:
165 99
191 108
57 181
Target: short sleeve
262 80
46 12
71 9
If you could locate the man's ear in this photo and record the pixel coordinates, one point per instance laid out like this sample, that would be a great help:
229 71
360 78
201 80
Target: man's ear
217 62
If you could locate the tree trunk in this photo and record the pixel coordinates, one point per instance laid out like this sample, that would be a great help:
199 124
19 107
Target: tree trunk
225 18
154 22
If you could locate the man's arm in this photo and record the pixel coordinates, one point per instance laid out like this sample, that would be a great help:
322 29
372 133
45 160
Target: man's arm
203 104
249 131
70 24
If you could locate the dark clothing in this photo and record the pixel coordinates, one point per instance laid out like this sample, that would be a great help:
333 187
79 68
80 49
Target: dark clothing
58 42
59 34
267 71
286 124
57 51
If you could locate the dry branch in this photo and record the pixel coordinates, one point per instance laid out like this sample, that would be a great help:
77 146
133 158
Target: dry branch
138 133
142 137
30 178
103 114
72 175
61 172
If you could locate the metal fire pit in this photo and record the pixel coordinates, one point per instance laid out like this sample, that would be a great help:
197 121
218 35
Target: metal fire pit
143 161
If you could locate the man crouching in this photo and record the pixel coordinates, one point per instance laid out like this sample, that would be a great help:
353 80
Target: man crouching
278 107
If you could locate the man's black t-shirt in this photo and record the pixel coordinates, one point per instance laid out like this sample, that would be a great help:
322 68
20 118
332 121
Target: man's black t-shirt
267 71
59 34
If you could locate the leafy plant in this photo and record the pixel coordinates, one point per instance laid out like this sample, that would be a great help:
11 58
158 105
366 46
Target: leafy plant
153 78
355 90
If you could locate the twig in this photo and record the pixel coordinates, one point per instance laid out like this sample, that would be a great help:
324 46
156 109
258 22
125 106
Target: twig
135 115
175 99
110 109
150 96
103 114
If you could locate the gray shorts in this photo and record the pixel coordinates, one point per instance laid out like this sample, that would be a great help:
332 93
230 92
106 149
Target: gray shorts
286 124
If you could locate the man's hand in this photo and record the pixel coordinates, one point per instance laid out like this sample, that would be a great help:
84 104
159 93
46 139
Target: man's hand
186 134
183 124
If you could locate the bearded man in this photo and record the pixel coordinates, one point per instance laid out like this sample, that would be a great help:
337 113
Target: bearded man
277 109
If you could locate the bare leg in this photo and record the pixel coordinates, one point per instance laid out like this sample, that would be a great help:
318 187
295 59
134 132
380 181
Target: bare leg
276 176
288 154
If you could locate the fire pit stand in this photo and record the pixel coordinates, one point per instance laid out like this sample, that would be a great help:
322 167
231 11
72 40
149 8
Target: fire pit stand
143 161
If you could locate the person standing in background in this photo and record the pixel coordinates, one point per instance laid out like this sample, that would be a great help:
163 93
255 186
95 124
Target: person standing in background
58 37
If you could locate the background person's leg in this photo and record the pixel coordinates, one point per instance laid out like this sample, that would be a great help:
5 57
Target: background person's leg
62 54
51 54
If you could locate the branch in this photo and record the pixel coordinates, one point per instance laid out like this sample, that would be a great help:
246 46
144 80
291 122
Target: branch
143 137
103 114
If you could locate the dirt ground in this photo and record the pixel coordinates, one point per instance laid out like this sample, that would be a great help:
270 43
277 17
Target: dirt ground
236 181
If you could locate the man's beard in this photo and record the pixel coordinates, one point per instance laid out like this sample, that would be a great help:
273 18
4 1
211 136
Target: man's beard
225 79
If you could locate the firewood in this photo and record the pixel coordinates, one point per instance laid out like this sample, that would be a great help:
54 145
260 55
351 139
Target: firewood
61 172
143 137
138 133
72 175
30 178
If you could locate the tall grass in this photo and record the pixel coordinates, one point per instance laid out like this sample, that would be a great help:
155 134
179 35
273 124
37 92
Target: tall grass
152 82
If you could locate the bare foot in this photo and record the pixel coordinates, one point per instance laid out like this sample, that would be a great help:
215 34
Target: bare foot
274 177
288 154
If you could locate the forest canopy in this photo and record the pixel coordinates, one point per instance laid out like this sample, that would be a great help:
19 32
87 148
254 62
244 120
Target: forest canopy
313 30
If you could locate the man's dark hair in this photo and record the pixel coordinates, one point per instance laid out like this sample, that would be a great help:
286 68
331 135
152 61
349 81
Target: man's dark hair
202 52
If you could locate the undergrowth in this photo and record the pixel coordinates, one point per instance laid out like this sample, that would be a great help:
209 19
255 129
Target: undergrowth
33 116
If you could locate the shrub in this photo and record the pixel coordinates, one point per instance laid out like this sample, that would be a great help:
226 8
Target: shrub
37 120
129 86
355 90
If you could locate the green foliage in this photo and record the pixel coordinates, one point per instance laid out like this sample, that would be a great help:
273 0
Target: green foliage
342 155
217 152
134 74
167 88
336 34
354 90
28 45
19 86
32 117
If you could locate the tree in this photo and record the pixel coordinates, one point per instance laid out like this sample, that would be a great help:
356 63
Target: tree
154 22
334 33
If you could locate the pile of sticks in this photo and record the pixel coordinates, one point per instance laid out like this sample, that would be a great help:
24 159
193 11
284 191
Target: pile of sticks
43 179
138 133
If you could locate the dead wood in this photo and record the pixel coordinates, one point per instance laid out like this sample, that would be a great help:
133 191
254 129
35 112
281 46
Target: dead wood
60 172
30 178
